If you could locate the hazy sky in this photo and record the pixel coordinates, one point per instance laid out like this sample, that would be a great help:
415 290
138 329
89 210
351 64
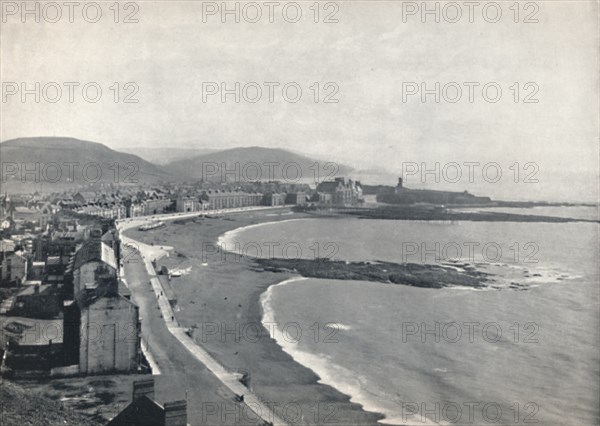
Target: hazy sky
369 54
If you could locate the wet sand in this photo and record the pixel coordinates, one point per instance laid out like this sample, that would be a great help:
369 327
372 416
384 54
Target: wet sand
220 300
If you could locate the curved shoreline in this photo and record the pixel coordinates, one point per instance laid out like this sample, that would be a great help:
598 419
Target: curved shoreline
255 297
276 376
322 367
309 360
225 238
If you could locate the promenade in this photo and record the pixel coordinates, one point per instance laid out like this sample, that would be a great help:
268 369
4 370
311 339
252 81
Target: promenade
169 349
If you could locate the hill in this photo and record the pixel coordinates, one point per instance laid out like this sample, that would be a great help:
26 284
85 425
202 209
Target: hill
256 164
58 162
166 155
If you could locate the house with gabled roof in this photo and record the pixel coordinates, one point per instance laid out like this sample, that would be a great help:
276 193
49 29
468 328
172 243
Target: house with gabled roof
145 411
340 191
102 328
84 197
93 256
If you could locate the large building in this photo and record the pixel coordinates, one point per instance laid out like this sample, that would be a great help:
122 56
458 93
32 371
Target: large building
296 198
93 257
108 328
13 264
403 195
274 199
220 199
188 204
106 210
101 325
340 191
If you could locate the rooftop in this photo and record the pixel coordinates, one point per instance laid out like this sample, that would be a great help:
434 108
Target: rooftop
94 250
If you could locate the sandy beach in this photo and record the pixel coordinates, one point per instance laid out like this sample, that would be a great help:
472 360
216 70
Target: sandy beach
220 299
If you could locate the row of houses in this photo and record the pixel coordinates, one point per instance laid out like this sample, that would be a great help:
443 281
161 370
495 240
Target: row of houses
73 316
117 205
128 203
220 199
77 291
17 213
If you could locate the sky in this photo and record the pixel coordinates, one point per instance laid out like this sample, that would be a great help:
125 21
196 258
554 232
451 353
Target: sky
369 61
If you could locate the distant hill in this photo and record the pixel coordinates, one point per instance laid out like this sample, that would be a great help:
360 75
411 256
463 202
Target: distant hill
165 155
62 162
256 163
50 164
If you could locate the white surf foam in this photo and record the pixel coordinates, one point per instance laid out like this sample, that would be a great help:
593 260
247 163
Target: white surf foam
334 375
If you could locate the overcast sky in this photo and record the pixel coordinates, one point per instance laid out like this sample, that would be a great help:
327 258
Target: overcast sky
369 53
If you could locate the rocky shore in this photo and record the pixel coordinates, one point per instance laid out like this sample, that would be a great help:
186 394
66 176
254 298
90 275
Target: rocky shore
411 274
443 214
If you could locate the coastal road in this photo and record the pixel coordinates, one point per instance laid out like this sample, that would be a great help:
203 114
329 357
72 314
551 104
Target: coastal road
174 352
182 374
124 224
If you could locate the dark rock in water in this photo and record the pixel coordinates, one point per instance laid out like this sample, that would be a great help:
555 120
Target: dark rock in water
411 212
411 274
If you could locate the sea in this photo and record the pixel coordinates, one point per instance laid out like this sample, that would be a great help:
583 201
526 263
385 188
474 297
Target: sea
523 350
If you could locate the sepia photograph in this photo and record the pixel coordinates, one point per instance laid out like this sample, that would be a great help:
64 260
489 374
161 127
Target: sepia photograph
309 212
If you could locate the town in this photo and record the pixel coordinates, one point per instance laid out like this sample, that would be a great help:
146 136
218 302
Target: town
225 213
65 306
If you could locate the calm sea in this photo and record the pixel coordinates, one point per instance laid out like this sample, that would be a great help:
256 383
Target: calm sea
525 350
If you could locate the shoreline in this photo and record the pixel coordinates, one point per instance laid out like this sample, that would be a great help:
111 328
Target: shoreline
205 299
221 279
228 236
327 375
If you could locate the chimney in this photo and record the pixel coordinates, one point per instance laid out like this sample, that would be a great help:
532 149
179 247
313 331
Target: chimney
176 413
399 182
143 388
106 284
